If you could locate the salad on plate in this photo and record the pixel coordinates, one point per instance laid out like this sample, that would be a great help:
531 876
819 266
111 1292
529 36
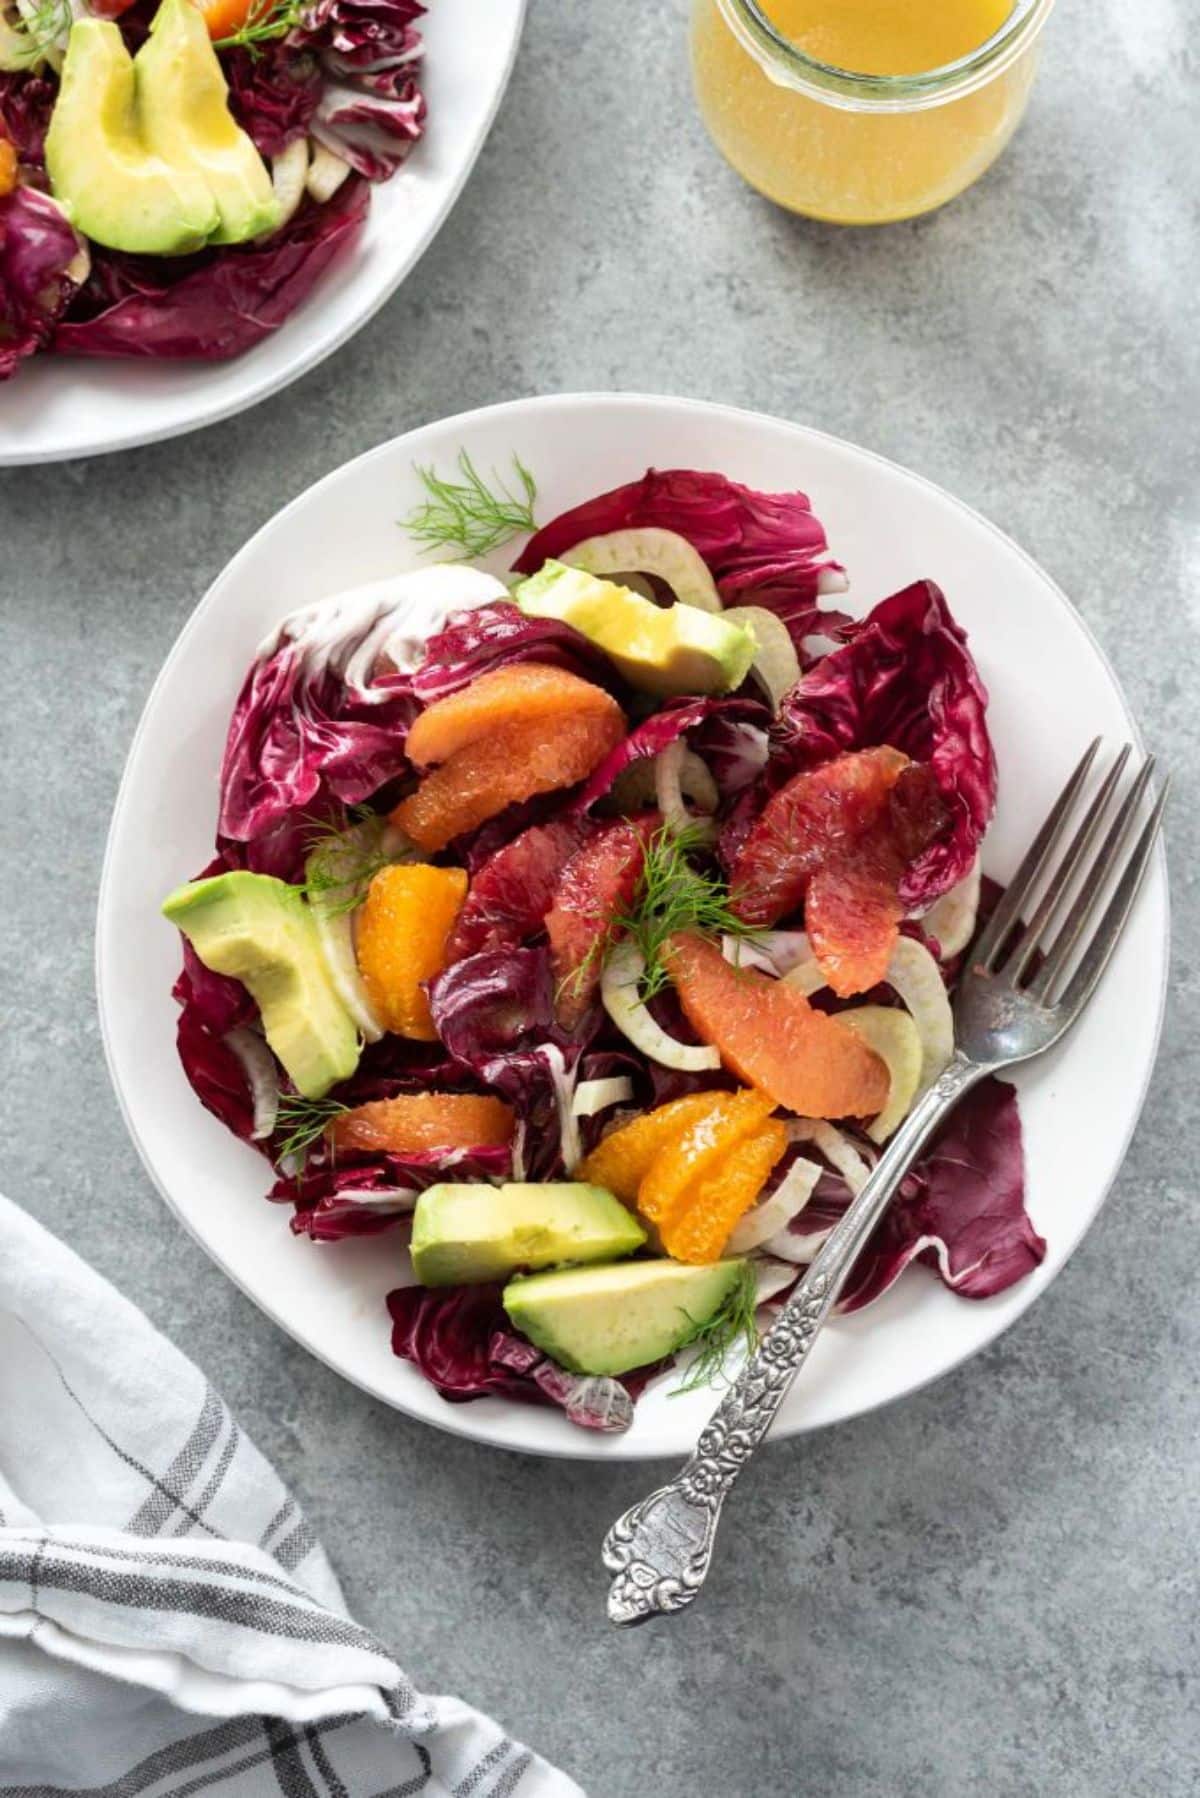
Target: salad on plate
176 175
586 931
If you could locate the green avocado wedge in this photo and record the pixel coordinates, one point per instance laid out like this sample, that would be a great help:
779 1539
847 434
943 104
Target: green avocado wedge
101 171
606 1320
260 931
662 650
183 104
466 1234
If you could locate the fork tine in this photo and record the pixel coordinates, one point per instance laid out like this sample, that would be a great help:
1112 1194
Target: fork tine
1088 896
1108 931
1009 909
1065 872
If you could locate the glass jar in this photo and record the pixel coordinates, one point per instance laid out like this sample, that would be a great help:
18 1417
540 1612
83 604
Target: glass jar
852 148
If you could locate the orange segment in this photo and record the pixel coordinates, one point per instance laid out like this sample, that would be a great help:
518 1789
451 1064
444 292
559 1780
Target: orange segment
526 691
771 1037
401 940
512 763
662 1194
621 1161
8 166
718 1199
423 1121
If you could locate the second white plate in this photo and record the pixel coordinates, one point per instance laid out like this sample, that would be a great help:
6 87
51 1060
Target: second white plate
60 407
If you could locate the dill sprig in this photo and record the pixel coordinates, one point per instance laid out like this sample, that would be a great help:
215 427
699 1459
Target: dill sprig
467 515
266 20
674 895
306 1121
732 1323
342 862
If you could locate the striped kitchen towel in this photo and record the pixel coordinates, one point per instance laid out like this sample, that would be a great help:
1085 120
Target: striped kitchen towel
169 1624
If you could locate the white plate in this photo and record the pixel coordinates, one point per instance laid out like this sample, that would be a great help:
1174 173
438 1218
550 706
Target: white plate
58 407
1051 691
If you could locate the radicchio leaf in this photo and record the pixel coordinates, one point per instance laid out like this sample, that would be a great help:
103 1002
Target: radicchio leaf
273 93
460 1338
677 718
37 248
371 110
26 102
215 305
903 676
327 1195
497 636
763 549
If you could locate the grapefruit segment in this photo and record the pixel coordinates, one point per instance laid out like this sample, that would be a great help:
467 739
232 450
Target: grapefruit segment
525 691
512 763
713 1205
808 823
423 1122
770 1036
514 889
622 1159
400 941
597 885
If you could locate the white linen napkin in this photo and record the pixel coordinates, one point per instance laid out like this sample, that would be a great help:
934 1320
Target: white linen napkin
169 1624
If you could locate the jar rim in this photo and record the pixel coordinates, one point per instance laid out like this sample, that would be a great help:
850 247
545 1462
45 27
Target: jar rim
787 64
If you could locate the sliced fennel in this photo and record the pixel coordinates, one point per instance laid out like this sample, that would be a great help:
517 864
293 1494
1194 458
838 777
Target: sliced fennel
262 1075
592 1096
668 786
288 173
620 992
776 1213
776 665
326 172
837 1149
897 1042
951 919
638 784
650 551
335 934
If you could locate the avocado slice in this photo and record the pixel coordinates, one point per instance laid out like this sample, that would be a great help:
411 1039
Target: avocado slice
659 649
466 1234
183 104
101 171
609 1319
261 931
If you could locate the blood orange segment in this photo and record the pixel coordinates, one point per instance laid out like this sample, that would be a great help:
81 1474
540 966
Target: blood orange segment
525 691
806 824
597 885
514 889
770 1036
421 1122
713 1205
512 763
622 1159
400 941
662 1194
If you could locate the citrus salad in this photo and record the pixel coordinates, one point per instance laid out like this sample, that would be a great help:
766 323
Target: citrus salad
588 930
175 175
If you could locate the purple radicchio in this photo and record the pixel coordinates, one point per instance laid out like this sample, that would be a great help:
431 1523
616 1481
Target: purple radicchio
273 92
460 1339
371 110
216 304
903 676
38 249
764 549
497 636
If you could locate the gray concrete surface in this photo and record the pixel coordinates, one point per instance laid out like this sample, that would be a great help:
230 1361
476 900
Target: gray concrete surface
991 1587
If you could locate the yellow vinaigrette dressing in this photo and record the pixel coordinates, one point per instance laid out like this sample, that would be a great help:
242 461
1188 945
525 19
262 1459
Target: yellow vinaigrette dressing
863 111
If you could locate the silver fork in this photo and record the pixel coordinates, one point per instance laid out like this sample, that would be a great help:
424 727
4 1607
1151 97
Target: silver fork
1010 1006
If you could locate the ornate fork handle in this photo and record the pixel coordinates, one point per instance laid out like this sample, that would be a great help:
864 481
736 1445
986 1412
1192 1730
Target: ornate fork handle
659 1551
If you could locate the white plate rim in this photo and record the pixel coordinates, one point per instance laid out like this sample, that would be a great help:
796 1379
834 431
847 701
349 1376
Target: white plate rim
465 1420
269 383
